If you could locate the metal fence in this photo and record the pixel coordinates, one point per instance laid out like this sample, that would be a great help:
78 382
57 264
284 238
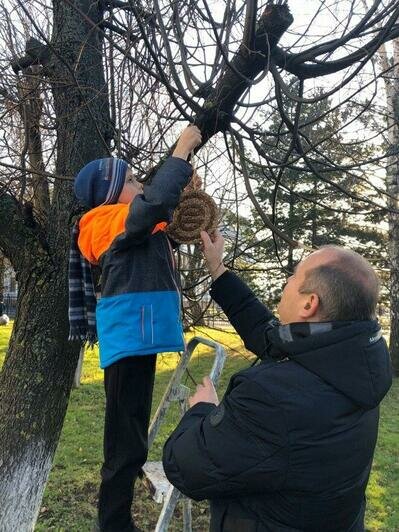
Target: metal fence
10 305
213 316
216 321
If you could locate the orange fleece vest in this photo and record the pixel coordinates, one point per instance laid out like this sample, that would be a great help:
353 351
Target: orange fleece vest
99 227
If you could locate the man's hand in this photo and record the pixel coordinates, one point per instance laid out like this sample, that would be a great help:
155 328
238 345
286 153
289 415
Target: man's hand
205 393
213 247
189 139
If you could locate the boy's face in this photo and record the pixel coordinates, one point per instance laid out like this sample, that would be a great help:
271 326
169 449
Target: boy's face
130 189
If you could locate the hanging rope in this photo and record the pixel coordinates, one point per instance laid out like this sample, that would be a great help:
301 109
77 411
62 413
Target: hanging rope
196 212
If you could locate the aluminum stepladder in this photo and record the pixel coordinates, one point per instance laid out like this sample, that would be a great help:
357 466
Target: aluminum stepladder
154 475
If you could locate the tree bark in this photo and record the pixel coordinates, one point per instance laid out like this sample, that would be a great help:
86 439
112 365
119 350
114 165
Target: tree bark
392 186
38 371
243 68
2 273
31 111
290 232
192 264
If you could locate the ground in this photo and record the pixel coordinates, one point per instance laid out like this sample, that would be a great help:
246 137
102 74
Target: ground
70 498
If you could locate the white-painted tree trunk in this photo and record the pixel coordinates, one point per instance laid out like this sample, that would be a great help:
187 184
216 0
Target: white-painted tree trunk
79 367
22 487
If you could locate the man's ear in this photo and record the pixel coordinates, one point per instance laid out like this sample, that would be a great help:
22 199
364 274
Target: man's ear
310 307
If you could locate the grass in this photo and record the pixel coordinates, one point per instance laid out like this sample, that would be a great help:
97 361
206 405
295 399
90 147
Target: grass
69 503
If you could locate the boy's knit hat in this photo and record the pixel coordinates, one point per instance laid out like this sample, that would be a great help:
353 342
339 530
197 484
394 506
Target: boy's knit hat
100 182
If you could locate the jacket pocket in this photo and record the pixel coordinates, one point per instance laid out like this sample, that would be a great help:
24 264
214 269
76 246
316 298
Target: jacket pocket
147 324
124 326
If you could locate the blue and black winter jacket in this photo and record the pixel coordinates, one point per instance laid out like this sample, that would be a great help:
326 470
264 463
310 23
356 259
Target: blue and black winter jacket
290 447
139 309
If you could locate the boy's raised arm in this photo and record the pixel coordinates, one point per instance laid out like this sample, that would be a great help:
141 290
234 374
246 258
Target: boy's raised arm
161 197
188 140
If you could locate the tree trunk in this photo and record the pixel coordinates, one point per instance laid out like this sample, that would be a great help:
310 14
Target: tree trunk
31 111
314 217
2 274
38 371
290 232
392 185
190 267
78 371
34 390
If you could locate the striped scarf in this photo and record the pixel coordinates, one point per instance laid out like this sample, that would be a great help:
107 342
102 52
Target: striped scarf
291 331
82 298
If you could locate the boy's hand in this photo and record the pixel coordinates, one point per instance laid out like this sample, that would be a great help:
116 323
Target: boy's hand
205 393
213 247
189 139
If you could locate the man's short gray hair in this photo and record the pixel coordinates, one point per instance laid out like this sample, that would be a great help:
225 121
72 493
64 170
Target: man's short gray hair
347 286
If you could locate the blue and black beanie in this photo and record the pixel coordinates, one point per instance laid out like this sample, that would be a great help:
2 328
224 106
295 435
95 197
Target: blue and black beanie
100 182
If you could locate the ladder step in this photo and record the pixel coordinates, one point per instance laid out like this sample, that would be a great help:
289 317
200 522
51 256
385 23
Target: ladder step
155 480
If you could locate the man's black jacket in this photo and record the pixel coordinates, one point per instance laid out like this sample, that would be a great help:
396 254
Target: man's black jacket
291 444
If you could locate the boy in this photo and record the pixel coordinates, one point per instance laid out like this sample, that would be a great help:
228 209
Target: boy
138 314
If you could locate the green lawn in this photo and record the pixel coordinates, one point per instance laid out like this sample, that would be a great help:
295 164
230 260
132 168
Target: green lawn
70 498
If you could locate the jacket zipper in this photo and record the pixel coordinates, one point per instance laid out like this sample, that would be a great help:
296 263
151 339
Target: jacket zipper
172 258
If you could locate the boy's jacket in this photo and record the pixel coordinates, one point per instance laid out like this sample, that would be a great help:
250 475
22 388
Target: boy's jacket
139 309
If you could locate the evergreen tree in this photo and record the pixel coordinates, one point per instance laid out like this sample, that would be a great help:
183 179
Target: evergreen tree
304 205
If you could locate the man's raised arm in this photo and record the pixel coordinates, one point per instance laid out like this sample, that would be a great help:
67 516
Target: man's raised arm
246 313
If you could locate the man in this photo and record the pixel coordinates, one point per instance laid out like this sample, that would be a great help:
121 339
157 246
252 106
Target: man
290 446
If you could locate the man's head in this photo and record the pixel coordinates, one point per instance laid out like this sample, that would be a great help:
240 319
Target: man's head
332 283
106 181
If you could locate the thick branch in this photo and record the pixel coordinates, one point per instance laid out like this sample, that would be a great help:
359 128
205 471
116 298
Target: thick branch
250 24
120 31
240 73
17 236
31 110
304 70
36 54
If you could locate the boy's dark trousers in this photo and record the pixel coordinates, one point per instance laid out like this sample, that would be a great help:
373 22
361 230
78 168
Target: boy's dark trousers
128 389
